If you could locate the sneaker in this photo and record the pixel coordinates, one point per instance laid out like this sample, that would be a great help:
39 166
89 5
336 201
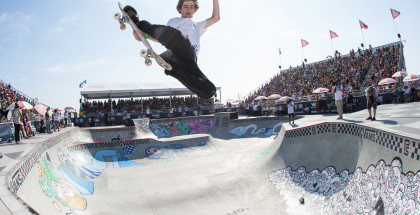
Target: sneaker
373 119
18 142
369 118
132 13
340 118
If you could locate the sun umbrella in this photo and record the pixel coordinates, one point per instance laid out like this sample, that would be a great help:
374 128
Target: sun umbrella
399 74
239 101
274 97
70 110
386 81
320 90
59 109
22 105
41 108
411 77
260 98
286 98
230 101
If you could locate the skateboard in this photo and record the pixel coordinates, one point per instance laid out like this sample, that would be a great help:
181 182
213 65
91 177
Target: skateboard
147 53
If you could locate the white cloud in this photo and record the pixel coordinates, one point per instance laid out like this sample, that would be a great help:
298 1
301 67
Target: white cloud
15 25
74 68
65 21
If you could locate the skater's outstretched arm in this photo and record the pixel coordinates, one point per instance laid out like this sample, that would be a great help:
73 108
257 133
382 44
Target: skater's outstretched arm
215 17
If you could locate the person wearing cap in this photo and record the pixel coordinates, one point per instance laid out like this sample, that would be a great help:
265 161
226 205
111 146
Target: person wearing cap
16 115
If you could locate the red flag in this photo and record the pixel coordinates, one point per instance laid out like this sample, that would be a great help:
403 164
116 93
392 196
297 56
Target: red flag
333 34
279 51
363 25
304 43
394 13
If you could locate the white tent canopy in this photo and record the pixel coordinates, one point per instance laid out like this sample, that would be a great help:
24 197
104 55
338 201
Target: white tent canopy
133 90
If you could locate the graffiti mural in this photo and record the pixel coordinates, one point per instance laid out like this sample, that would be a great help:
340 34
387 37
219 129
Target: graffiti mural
167 152
178 128
382 189
58 187
81 168
241 131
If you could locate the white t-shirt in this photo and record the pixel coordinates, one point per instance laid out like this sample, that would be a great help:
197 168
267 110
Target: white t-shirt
338 94
193 30
290 107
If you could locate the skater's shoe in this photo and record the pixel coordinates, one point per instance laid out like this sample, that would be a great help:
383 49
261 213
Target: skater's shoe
369 118
132 13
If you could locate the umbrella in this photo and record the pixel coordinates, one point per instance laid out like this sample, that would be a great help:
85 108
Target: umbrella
285 98
41 108
70 110
260 98
386 81
274 97
411 77
22 105
59 109
230 101
399 74
320 90
239 101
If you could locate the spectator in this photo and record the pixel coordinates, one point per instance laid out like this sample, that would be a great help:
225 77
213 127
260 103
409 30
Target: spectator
291 111
48 121
349 102
372 99
56 117
337 88
16 115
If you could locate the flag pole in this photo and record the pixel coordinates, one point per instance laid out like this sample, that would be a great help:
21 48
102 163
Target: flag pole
363 36
303 53
332 47
395 25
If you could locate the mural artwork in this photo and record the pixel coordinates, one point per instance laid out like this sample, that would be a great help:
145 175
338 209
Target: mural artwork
81 167
382 189
178 128
58 187
241 131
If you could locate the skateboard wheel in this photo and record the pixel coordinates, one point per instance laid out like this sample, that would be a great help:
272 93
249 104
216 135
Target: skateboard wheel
143 53
148 62
117 16
123 27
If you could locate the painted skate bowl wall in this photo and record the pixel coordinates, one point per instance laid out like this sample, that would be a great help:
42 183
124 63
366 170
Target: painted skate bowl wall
346 168
58 176
349 169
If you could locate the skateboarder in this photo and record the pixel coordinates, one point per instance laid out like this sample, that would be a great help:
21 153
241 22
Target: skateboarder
181 37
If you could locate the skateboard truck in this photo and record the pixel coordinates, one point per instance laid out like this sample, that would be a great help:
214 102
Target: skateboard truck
146 55
117 16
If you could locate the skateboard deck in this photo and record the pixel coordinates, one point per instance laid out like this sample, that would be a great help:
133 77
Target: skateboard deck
146 54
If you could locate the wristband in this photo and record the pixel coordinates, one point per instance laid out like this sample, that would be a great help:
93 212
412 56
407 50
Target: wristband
147 36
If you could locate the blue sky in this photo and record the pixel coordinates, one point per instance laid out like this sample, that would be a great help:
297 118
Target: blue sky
47 48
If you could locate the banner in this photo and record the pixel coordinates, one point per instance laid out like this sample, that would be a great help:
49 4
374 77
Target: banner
5 132
304 43
363 25
395 13
333 34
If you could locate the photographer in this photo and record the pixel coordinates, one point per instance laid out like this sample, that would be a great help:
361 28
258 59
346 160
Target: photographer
337 88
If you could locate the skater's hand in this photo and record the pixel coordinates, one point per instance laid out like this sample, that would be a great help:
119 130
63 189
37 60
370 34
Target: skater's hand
137 37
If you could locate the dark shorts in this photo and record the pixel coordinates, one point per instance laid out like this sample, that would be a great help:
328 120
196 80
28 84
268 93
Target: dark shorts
371 103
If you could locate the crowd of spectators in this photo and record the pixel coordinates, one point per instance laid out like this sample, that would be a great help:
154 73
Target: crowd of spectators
351 70
8 96
152 104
